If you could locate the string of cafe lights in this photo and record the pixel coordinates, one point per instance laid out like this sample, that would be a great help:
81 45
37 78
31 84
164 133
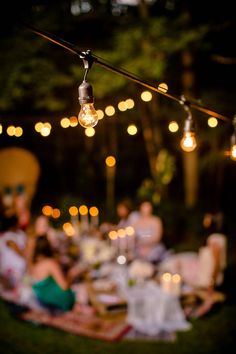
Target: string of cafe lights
44 128
88 116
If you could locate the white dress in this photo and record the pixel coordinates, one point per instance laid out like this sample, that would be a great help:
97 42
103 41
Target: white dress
11 263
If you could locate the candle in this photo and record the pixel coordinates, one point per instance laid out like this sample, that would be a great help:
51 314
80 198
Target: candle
114 240
176 284
166 282
130 239
171 284
122 241
94 212
83 210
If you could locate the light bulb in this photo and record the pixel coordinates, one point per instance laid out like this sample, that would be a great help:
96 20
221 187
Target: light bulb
188 142
87 117
233 152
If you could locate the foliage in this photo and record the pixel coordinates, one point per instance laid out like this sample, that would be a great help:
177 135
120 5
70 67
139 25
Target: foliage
154 190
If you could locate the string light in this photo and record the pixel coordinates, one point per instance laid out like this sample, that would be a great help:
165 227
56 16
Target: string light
188 142
0 128
88 116
212 122
38 126
89 132
173 127
65 122
122 106
146 96
163 87
129 103
100 114
73 121
110 111
132 129
11 130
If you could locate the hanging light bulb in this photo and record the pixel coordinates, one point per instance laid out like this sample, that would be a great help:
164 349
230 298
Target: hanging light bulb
233 142
188 142
88 116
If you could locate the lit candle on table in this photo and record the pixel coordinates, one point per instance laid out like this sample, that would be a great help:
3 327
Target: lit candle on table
93 211
166 282
83 210
176 284
122 240
114 240
73 211
130 239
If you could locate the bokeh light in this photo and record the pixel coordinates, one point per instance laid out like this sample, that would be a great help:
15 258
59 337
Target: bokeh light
132 129
11 130
38 126
146 96
110 111
129 103
65 122
73 210
110 161
73 121
56 213
47 210
93 211
100 114
173 127
163 87
18 132
212 122
89 132
122 106
83 210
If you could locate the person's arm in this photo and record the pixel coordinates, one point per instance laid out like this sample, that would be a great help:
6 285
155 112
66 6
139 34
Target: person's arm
11 244
216 255
57 274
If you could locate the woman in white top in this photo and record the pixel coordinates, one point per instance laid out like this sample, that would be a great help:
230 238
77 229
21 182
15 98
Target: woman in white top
148 231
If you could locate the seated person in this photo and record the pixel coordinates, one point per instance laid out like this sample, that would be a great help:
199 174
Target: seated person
148 232
125 213
12 252
203 269
49 284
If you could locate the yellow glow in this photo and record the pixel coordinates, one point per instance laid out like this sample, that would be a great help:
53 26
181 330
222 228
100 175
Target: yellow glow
56 213
45 131
233 153
73 121
47 125
0 128
88 115
212 122
93 211
100 114
188 142
18 131
121 233
89 132
129 103
176 278
146 96
132 129
173 127
11 130
129 230
166 276
83 210
65 122
112 235
68 228
47 210
163 87
110 161
73 210
122 106
110 111
38 126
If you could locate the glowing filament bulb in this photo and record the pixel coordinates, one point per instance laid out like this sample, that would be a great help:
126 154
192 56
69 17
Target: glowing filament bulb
188 142
233 152
88 117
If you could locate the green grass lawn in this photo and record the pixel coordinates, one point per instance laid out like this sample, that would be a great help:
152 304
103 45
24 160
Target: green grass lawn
214 333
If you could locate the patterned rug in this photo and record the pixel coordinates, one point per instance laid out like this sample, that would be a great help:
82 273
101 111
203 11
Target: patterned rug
109 329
